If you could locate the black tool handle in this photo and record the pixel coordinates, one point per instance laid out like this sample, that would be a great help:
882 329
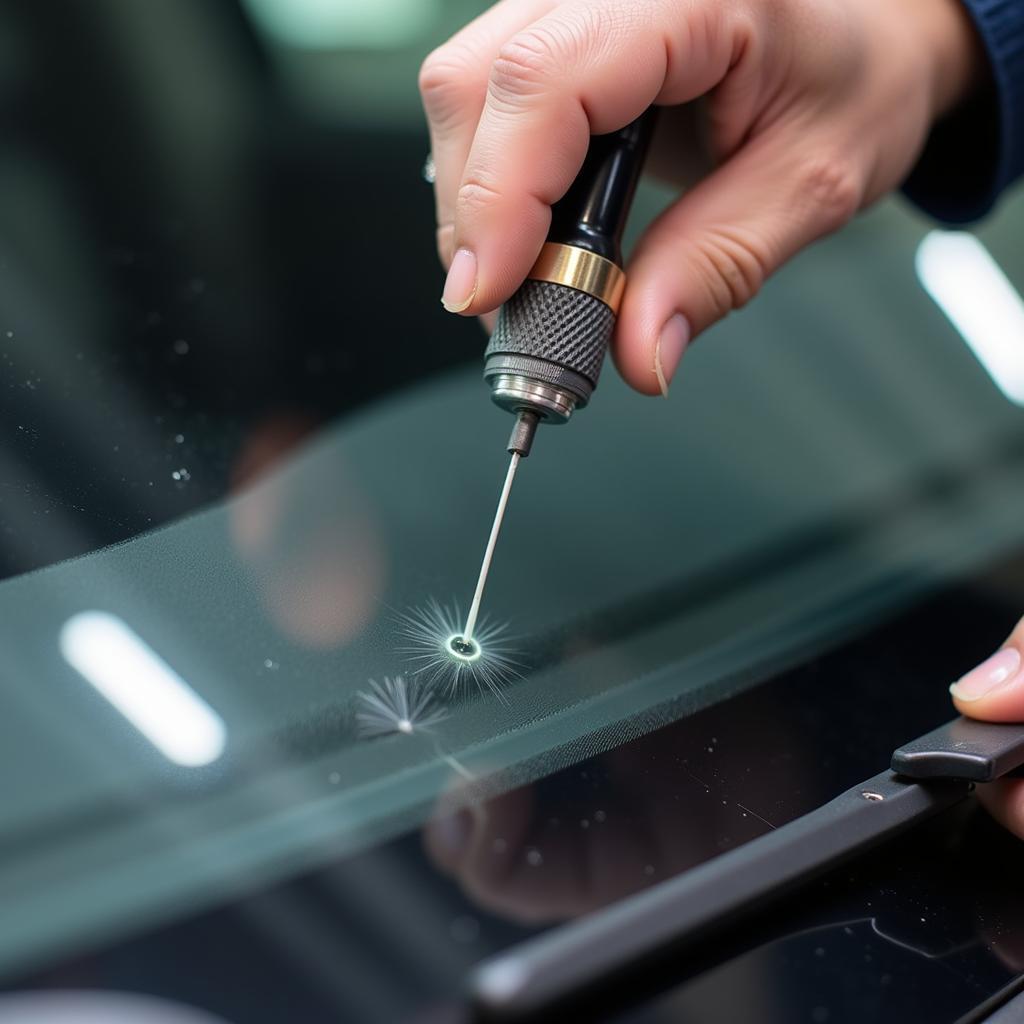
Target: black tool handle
553 333
592 215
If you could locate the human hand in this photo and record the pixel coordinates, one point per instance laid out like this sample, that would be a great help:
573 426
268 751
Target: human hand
994 692
816 108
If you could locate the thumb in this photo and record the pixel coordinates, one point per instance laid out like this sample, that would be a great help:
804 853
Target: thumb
711 251
994 691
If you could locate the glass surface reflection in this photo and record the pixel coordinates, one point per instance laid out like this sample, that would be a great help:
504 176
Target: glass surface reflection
279 605
901 934
96 1008
775 751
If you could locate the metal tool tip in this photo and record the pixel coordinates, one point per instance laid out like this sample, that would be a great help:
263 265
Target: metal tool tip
521 439
466 637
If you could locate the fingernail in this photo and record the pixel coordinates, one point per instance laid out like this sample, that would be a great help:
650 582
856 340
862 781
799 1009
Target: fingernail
451 834
672 342
1003 665
460 286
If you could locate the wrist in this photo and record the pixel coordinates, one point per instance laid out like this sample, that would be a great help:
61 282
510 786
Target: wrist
957 58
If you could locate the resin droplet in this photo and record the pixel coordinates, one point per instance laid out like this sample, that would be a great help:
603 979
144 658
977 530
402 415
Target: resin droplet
463 648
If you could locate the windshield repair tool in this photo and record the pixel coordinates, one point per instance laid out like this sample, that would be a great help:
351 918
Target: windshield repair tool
590 960
545 356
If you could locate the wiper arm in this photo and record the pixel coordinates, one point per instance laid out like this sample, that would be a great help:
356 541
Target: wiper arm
928 776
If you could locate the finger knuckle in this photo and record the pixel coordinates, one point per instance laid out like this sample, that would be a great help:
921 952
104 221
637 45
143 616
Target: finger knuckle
732 267
475 194
526 63
833 186
447 78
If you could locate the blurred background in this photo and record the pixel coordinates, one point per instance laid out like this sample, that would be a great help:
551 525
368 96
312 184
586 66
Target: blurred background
214 235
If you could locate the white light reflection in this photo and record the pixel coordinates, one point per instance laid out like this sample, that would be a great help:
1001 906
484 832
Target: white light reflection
345 24
112 657
967 284
96 1007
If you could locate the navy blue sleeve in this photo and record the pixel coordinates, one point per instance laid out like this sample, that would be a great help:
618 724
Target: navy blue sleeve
978 151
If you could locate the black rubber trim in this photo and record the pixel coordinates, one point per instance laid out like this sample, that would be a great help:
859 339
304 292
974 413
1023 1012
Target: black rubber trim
1009 1011
583 956
963 749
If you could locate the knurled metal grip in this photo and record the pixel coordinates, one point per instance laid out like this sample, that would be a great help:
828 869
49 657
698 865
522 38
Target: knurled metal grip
558 324
555 333
546 353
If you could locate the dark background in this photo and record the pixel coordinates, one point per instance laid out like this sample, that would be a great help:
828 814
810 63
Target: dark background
198 261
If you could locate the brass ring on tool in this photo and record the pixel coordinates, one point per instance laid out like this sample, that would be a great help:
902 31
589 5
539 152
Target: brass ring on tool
580 269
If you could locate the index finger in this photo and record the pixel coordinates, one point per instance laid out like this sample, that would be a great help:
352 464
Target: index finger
587 67
453 85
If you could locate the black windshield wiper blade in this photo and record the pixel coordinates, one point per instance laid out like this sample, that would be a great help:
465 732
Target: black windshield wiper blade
929 775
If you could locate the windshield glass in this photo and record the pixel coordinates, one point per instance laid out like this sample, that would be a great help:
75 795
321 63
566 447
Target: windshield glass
250 467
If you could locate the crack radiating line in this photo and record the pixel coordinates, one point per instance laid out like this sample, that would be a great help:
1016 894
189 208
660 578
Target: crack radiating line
427 633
